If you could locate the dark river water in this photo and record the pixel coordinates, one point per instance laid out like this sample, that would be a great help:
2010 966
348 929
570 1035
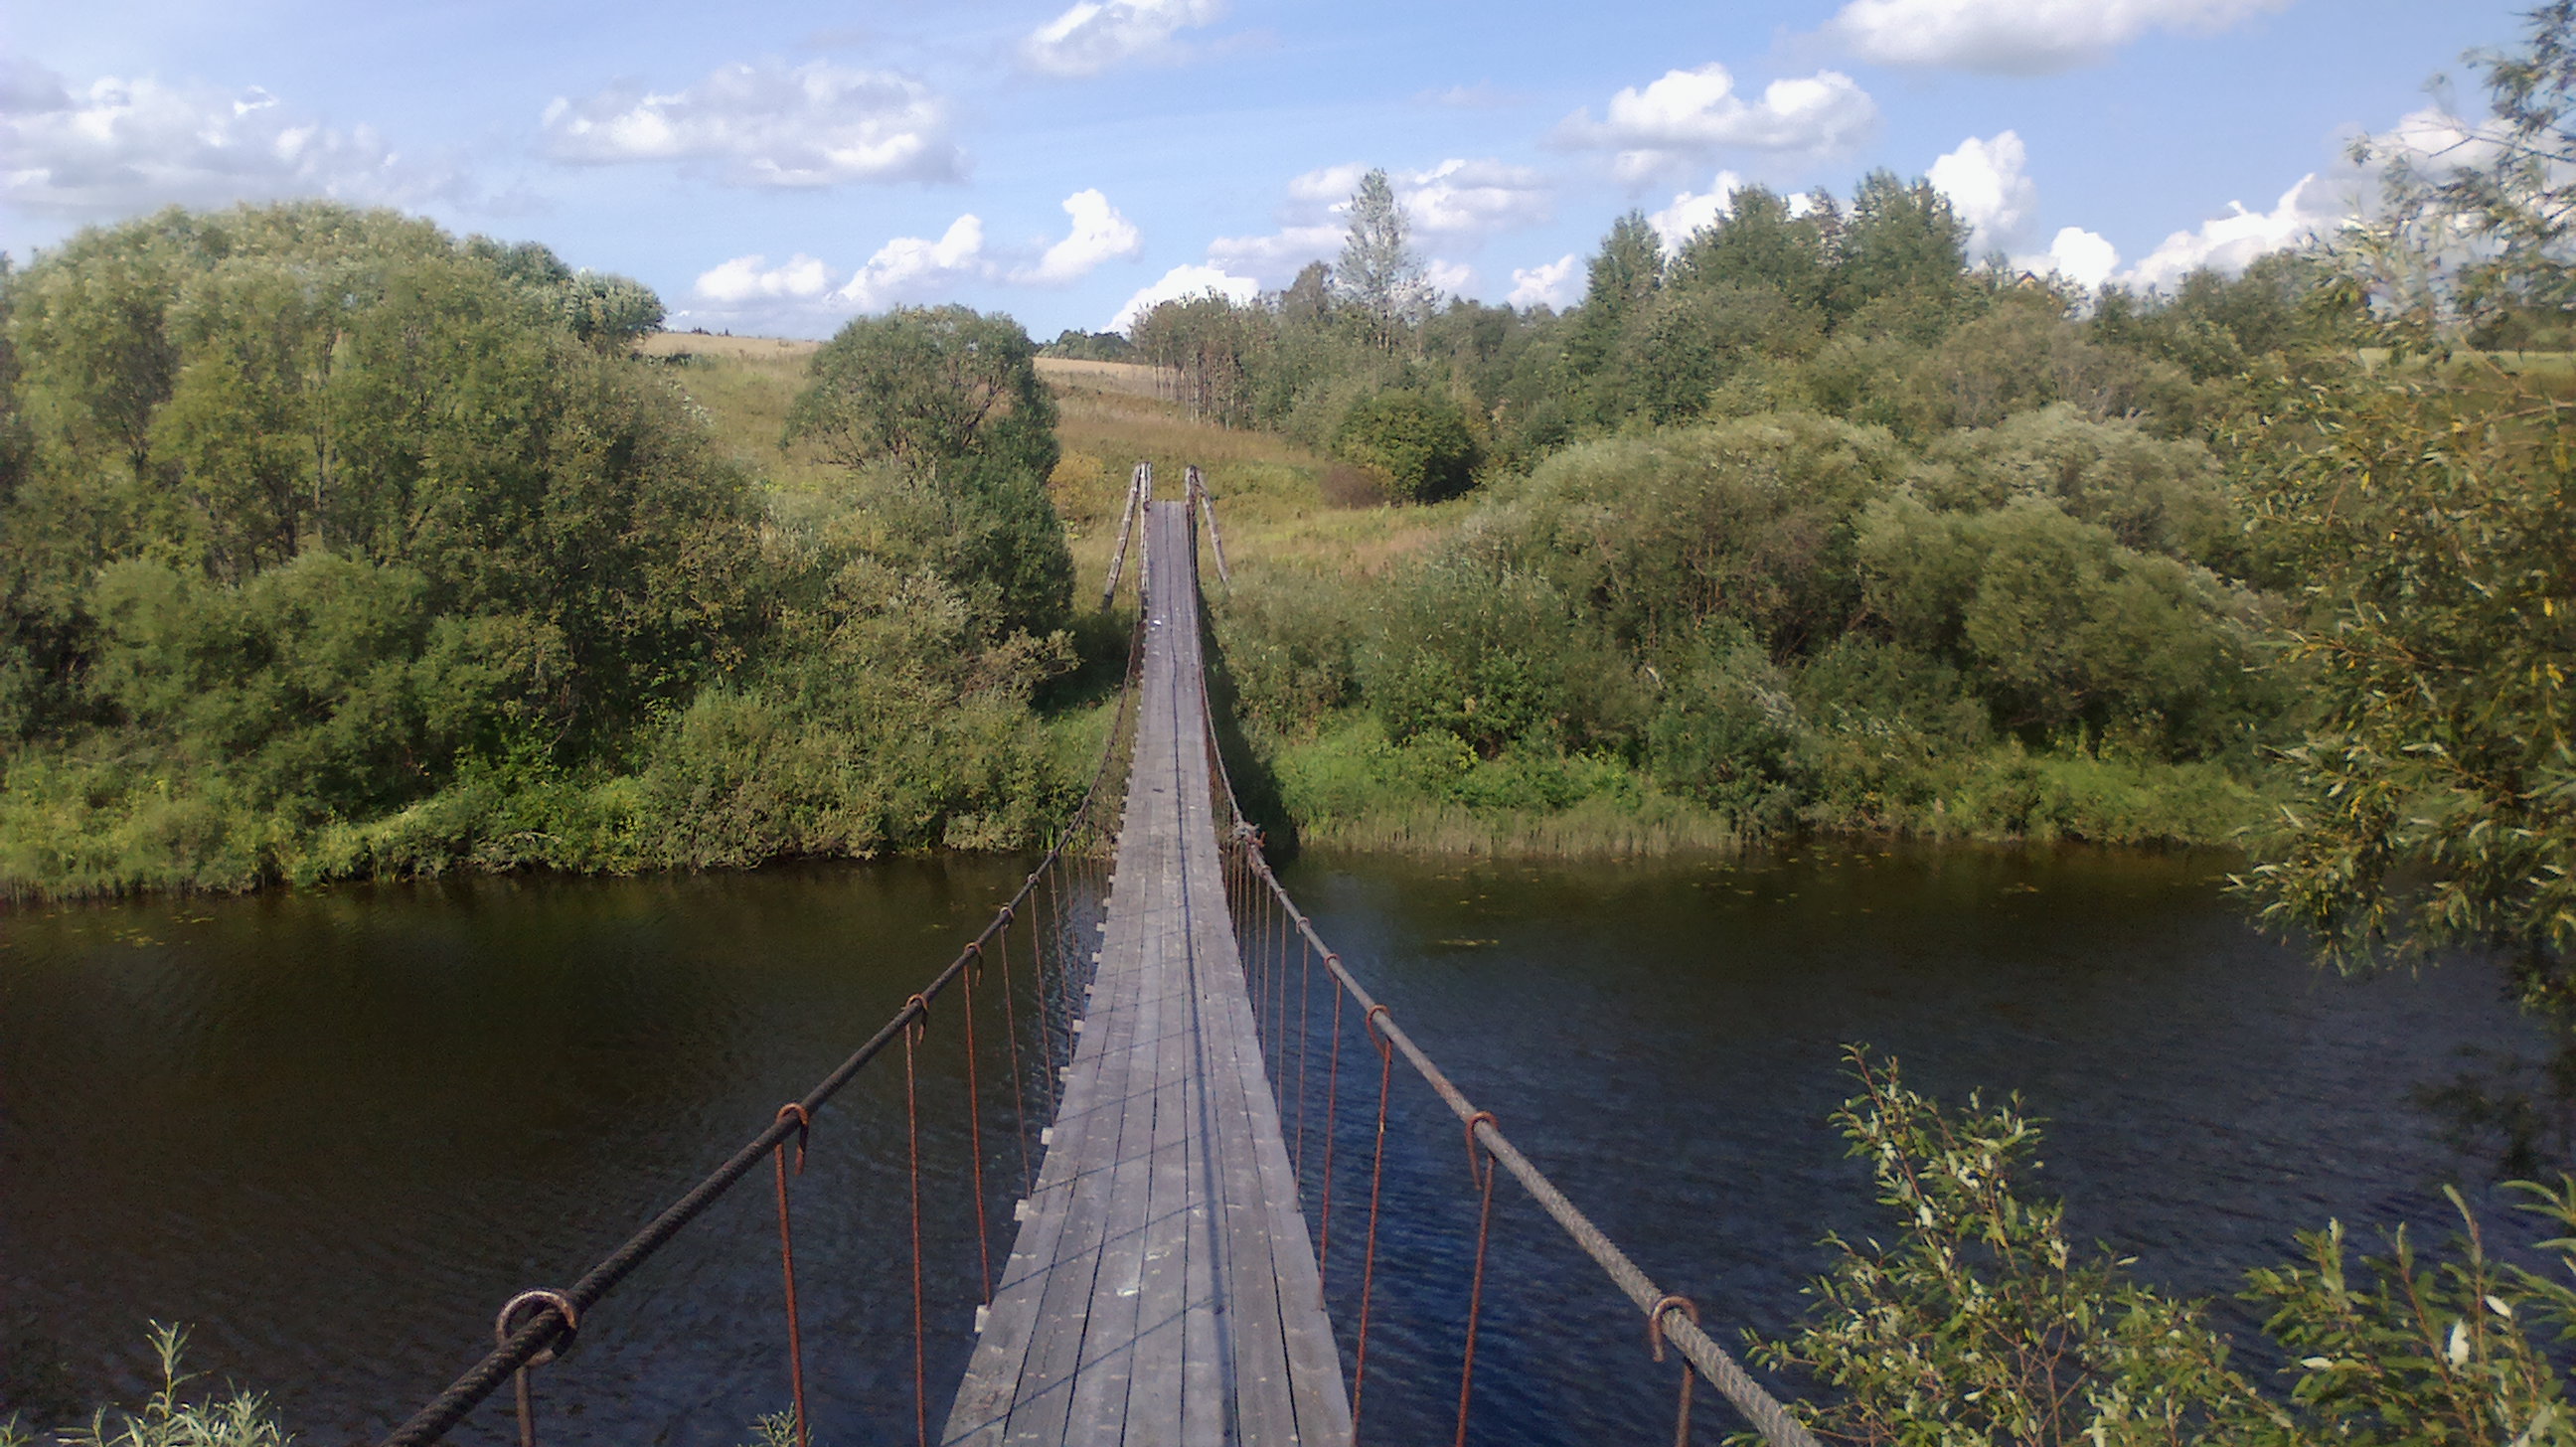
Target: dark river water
333 1130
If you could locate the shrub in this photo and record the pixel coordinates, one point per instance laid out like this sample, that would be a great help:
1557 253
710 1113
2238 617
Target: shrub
1417 441
1495 657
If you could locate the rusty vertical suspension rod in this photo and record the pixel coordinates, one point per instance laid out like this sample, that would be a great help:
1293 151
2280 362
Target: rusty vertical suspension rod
975 1127
1305 1040
912 1035
1377 1180
787 1265
1279 999
1655 1340
1011 1032
1484 1178
1332 1101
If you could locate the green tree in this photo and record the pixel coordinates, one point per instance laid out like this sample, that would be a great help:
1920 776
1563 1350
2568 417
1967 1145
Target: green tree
927 386
1902 258
2436 787
1379 274
1758 243
1977 1320
1622 276
1217 347
1418 442
2429 517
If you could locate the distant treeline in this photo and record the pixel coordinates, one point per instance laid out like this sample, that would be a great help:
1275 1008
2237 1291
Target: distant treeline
1805 520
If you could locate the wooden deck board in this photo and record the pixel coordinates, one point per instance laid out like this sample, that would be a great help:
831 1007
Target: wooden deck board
1161 1291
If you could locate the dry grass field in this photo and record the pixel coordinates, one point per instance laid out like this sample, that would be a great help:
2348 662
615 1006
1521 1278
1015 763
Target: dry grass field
1279 504
1130 377
704 344
744 386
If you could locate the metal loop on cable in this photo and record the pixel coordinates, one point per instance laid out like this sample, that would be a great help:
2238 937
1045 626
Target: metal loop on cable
1482 1174
1655 1339
1655 1320
804 1128
920 1005
502 1326
1370 1023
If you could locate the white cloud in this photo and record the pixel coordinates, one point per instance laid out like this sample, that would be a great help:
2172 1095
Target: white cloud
2227 243
1448 278
1099 234
1483 95
748 279
1552 284
1457 203
1689 114
1987 189
1095 35
1328 187
1180 282
1695 211
2082 257
914 268
804 294
818 124
1278 256
2317 206
1465 198
116 147
2020 37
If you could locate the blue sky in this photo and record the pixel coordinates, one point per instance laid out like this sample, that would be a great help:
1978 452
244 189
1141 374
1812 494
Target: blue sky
780 167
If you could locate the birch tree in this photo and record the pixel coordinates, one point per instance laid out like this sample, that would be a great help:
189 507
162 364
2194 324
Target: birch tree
1380 274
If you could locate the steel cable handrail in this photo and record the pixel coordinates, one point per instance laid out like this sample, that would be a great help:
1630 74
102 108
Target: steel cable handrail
1666 1314
550 1326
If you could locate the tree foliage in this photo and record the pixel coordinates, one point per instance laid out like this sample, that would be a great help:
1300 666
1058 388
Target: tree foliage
925 386
1379 275
1978 1319
2424 514
330 544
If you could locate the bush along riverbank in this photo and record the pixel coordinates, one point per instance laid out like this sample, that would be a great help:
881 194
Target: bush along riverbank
333 545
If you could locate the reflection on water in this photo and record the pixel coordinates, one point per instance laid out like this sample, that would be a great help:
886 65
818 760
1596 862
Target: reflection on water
335 1129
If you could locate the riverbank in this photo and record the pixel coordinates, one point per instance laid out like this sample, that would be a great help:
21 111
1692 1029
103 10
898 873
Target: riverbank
1350 788
739 778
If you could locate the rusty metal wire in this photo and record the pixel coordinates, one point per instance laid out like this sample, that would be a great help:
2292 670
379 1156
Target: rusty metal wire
1764 1411
551 1327
1697 1347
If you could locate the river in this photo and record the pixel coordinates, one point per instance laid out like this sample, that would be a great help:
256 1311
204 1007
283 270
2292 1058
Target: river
331 1130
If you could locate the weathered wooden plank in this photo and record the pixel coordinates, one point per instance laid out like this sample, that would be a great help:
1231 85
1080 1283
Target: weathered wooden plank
1043 1404
1156 1383
1162 1290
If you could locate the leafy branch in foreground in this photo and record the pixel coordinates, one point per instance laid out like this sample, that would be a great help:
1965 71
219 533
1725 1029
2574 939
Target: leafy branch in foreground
1978 1322
168 1419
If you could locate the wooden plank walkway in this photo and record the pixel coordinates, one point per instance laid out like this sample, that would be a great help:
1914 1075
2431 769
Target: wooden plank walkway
1162 1289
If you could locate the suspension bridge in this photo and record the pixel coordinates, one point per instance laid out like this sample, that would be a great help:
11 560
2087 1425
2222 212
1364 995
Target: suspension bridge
1173 1211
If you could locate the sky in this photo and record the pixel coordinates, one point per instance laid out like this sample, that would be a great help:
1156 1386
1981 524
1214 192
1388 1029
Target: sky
779 168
